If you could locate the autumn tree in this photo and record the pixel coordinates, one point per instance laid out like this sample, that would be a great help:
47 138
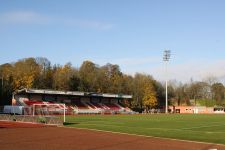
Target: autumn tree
127 86
62 76
44 79
24 73
147 92
181 95
198 90
149 99
160 92
87 73
218 92
74 81
6 75
114 78
101 81
144 92
138 94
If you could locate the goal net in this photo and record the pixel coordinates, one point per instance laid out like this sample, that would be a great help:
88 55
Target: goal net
49 110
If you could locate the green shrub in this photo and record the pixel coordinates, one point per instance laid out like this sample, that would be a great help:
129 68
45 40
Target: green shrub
206 102
42 120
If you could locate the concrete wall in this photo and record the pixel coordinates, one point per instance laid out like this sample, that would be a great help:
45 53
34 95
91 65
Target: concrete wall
194 110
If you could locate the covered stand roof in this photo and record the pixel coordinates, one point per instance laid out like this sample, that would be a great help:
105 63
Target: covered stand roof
71 93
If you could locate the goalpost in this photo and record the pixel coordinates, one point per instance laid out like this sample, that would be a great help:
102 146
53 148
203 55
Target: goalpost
49 110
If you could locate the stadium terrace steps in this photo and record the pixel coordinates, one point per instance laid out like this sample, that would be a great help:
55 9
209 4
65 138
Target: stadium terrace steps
112 106
97 105
90 105
81 105
30 103
78 107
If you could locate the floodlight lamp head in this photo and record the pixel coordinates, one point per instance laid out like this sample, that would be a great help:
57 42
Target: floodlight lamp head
166 55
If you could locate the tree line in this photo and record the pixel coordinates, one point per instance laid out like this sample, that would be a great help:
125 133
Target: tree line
147 92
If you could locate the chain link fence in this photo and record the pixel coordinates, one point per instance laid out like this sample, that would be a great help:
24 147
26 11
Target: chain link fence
49 120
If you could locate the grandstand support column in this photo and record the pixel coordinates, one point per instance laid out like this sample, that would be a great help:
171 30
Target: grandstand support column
33 109
166 57
64 113
12 103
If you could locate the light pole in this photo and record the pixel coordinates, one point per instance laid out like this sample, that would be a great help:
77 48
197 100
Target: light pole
166 57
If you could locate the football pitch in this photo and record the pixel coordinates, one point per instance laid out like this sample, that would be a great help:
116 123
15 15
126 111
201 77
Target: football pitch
201 128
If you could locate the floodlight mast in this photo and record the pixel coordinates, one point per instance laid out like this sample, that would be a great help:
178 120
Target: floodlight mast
166 57
2 87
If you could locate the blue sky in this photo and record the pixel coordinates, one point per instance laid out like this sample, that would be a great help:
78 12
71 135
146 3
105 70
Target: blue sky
130 33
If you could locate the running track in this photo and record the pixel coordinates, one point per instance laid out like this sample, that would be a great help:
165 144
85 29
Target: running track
23 136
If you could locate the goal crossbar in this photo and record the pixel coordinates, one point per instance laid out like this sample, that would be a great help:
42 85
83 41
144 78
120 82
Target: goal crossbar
59 105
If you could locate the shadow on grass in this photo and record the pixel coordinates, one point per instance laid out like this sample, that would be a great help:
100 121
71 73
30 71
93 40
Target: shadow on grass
69 123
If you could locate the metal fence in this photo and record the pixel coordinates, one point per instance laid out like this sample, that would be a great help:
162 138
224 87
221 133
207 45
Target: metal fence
51 120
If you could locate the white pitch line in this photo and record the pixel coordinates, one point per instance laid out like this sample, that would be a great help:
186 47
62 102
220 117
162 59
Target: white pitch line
165 129
203 126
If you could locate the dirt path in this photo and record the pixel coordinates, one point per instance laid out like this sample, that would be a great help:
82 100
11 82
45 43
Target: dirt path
52 138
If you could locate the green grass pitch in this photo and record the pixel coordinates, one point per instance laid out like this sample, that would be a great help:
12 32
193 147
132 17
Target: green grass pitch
203 128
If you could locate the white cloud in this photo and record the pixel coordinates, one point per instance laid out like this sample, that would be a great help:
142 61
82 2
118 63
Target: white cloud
126 62
197 70
31 17
136 61
26 17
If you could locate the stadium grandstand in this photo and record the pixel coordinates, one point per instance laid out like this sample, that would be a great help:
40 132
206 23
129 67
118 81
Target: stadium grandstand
75 102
